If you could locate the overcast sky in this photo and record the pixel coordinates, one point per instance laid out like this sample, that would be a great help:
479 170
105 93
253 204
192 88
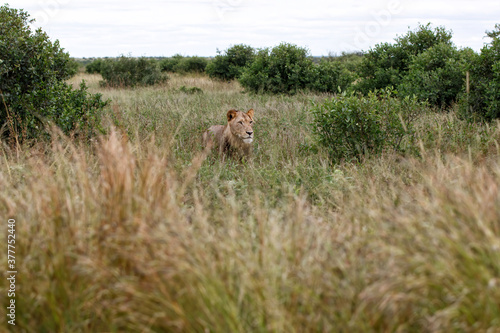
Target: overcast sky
97 28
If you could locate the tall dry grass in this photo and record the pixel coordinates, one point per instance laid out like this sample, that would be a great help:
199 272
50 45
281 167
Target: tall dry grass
143 231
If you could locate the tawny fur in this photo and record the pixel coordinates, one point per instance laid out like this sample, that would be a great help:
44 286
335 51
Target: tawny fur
235 138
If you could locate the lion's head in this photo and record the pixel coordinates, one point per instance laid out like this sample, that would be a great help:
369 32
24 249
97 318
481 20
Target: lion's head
241 124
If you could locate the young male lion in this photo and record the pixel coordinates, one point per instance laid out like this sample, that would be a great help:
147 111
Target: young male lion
234 138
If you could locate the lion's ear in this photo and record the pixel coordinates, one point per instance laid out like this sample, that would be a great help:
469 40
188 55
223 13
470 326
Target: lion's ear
231 114
250 113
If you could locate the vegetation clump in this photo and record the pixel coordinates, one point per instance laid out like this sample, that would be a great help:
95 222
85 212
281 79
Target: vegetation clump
386 64
33 93
483 100
230 64
351 126
131 72
181 64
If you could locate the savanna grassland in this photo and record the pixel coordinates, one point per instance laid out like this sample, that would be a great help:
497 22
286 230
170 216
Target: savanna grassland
143 231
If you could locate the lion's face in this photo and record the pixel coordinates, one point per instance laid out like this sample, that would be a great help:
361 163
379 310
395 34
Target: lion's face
241 124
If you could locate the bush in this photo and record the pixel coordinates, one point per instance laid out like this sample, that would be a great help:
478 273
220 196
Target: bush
73 67
484 97
285 69
72 109
94 67
131 72
230 65
436 75
331 76
170 64
351 126
386 64
33 91
181 64
192 65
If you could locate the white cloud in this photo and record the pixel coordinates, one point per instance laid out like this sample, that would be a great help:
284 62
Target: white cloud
156 27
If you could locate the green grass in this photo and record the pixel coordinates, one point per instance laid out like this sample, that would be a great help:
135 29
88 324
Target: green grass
142 231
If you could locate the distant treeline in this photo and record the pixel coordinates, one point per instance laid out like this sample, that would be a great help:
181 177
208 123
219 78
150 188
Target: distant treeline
185 64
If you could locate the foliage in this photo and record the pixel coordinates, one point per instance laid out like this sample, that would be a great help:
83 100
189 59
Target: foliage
170 64
436 75
484 97
70 108
229 66
331 76
130 72
192 65
181 64
286 68
73 67
32 87
95 66
386 64
351 126
352 60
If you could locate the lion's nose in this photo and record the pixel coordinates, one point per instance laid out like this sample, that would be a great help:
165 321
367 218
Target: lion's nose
249 133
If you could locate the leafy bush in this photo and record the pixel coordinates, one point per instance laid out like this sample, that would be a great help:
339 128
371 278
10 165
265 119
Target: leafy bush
170 64
351 126
130 72
181 64
229 66
351 59
94 67
192 65
436 75
73 67
286 69
484 97
331 76
386 64
70 109
33 91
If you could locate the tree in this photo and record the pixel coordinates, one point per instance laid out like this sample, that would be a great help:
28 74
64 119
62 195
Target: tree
130 72
33 91
484 97
386 64
230 64
286 69
331 76
436 74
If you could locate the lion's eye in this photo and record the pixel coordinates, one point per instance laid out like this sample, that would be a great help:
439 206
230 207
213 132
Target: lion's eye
240 122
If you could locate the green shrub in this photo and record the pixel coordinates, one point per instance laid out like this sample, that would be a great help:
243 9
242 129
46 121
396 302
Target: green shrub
385 65
351 126
285 69
170 64
181 64
192 65
229 66
94 67
331 76
484 97
73 67
131 72
436 75
72 109
33 91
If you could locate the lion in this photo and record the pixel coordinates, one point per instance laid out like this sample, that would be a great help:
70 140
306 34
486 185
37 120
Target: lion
235 138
